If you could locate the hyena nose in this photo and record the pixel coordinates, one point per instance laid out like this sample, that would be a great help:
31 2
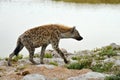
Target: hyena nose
80 38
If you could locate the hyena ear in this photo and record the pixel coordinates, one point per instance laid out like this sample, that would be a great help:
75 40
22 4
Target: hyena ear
73 29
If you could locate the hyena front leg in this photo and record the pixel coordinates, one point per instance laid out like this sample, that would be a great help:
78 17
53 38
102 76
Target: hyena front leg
55 46
42 53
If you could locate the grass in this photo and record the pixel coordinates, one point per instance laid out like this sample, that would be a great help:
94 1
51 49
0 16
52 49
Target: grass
53 63
108 51
48 55
92 1
113 77
83 63
36 55
105 67
16 58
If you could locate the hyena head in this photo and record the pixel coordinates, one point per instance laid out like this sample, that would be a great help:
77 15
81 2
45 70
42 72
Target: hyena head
75 34
72 33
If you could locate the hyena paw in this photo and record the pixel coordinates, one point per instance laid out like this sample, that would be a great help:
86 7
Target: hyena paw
9 64
41 62
66 61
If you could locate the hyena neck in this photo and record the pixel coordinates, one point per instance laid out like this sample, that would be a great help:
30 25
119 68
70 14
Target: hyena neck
63 35
65 32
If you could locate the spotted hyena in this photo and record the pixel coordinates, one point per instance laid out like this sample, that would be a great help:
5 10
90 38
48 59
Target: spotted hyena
43 36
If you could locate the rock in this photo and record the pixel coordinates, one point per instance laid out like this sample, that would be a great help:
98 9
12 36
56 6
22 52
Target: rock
34 77
89 76
117 62
73 61
24 61
84 53
118 54
47 66
3 63
109 60
115 46
56 55
60 61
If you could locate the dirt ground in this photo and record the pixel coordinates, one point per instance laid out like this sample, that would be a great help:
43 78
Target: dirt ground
59 73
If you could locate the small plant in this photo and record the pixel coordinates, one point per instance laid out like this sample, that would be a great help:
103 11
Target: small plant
113 77
16 58
47 55
99 58
54 63
99 67
107 51
83 63
0 58
96 49
36 55
75 66
76 58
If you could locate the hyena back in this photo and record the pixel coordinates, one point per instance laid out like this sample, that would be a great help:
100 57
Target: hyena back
43 36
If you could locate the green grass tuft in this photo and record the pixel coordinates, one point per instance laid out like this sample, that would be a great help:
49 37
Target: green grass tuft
108 51
83 63
48 55
16 58
113 77
99 67
53 63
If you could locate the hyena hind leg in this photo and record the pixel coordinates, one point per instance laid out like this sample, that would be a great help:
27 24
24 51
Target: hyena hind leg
42 53
31 55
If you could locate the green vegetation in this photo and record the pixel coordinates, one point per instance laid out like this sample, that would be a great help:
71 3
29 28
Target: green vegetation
53 63
83 63
48 55
108 51
113 77
36 55
105 67
76 58
92 1
98 56
16 58
0 58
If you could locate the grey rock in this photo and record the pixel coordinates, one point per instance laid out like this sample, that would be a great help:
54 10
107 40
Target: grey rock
118 54
84 53
89 76
109 60
34 77
115 46
3 62
117 62
47 66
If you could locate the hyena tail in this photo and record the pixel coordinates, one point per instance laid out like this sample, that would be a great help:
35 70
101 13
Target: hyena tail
18 48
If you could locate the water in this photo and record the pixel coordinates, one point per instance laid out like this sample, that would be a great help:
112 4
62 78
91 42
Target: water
98 24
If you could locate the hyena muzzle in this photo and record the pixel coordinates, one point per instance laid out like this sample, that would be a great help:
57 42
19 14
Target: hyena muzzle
43 36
